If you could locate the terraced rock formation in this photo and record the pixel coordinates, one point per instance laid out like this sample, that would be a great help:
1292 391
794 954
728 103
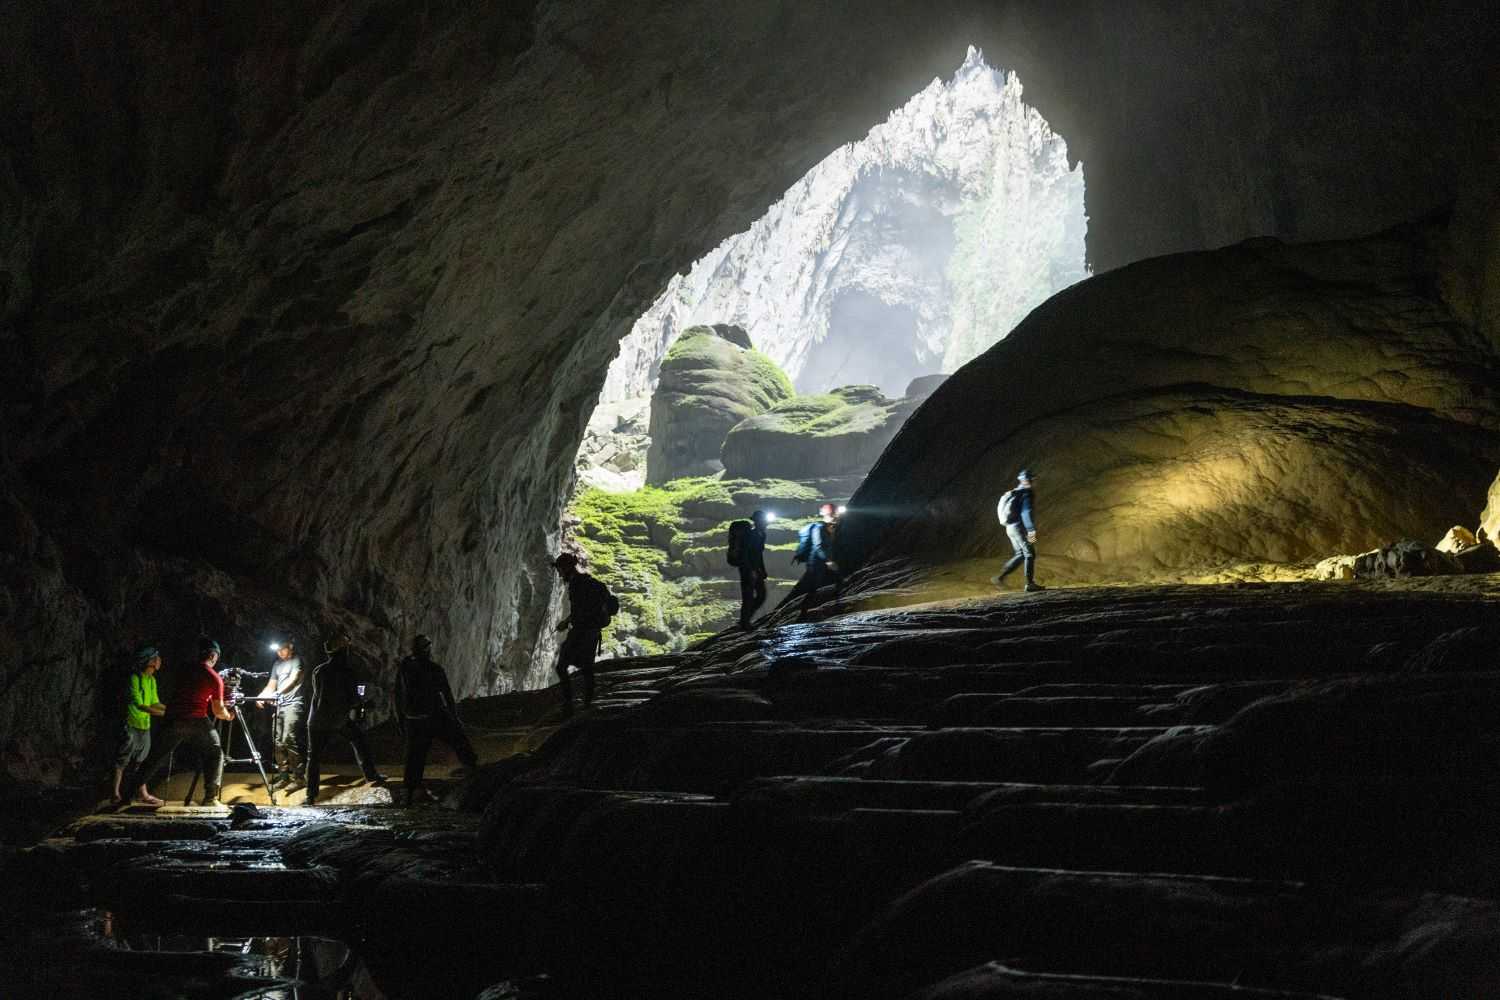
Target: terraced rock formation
1247 791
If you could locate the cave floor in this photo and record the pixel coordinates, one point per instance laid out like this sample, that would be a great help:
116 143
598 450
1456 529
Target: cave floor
1244 790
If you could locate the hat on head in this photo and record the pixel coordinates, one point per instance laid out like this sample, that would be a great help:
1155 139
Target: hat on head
1024 475
145 654
565 560
207 646
336 642
420 643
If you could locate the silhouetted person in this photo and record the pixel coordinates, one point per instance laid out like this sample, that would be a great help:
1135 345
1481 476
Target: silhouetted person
332 712
191 717
289 724
752 568
1014 511
590 607
426 710
815 549
141 704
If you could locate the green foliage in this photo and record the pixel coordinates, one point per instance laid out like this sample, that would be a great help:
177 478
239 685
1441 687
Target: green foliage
848 410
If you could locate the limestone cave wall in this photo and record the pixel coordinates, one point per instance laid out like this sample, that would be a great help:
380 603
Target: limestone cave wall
303 308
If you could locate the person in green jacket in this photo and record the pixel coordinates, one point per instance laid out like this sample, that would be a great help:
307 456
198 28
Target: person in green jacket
141 703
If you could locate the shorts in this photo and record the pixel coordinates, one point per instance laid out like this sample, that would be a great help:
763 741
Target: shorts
135 746
580 648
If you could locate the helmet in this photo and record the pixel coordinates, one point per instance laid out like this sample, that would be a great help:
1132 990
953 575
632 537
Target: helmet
421 644
207 646
1023 476
566 560
145 655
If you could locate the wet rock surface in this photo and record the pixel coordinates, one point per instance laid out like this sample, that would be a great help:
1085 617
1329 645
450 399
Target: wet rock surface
1257 790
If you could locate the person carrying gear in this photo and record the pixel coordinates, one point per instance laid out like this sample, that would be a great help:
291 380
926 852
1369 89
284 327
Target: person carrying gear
141 704
333 711
751 555
1014 511
590 607
815 548
289 724
191 716
426 710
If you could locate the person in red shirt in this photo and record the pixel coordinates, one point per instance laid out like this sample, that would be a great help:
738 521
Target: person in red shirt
193 711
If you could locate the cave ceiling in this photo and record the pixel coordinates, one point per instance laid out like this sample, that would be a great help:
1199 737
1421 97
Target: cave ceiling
303 308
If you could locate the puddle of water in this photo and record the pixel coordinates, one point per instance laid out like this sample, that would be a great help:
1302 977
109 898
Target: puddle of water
312 968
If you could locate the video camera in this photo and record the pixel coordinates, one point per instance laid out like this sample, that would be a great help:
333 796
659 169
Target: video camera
234 677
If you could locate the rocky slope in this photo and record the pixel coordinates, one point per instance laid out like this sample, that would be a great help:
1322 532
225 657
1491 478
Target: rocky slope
303 308
1185 793
837 433
1259 404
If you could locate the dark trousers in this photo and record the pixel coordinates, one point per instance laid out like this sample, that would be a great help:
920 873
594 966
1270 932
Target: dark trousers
752 594
1025 553
814 578
419 736
200 737
578 650
289 737
317 741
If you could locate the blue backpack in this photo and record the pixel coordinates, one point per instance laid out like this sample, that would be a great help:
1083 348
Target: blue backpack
807 540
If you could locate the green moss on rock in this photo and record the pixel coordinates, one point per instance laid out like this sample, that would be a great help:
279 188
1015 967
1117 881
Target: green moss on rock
837 433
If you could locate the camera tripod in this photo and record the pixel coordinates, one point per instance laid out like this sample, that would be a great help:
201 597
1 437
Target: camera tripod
228 737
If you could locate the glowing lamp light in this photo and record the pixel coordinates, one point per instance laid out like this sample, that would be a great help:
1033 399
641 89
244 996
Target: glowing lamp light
770 515
275 647
842 510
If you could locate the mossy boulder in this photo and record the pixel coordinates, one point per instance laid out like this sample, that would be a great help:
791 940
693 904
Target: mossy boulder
837 433
711 380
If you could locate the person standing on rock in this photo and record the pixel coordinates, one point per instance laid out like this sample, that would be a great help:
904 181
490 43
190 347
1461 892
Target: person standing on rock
141 704
289 725
192 720
752 566
590 607
426 710
1015 513
815 549
333 711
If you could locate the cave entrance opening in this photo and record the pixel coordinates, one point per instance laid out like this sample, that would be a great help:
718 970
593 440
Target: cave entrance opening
806 340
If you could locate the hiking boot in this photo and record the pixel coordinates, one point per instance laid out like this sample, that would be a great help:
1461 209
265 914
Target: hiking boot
998 581
378 780
211 796
1033 587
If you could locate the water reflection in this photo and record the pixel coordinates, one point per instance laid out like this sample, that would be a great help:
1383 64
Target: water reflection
306 968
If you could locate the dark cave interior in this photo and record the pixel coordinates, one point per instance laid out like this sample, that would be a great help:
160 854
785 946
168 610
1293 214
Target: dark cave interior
303 311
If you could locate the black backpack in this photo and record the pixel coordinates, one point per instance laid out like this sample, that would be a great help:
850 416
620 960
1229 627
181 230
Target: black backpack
1010 507
734 554
601 607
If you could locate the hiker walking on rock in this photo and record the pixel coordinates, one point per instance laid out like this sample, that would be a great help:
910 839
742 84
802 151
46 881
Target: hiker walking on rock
1014 511
426 710
747 550
334 711
815 548
590 607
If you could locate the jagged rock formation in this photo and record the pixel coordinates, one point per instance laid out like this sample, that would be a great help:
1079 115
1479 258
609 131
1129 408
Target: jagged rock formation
1191 413
1278 792
303 307
838 433
909 251
710 381
1489 518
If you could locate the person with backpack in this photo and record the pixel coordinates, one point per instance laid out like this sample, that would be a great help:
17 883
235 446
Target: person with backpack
426 710
815 549
1015 513
747 552
590 607
335 710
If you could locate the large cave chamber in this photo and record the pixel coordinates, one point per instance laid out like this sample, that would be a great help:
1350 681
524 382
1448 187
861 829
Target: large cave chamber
772 373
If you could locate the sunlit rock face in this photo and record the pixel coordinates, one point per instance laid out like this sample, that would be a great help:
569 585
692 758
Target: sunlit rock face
837 433
904 254
1264 403
303 307
710 381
